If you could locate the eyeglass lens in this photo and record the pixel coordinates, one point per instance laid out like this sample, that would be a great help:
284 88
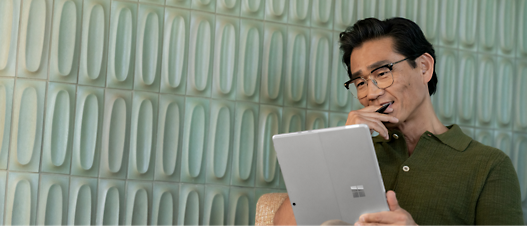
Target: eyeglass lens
382 78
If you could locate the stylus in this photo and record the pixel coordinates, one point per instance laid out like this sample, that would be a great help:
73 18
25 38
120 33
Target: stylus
383 108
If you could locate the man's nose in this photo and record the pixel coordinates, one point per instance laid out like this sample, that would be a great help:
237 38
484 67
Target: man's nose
373 90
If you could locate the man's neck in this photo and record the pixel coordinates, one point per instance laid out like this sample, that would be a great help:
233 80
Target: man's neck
422 120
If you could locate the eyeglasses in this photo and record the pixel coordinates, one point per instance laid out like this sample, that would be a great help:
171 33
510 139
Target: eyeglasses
381 77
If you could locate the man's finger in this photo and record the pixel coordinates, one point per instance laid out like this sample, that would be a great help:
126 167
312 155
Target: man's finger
392 201
371 108
382 117
377 218
378 126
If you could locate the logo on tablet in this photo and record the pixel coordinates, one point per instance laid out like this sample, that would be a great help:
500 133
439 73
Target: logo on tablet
358 191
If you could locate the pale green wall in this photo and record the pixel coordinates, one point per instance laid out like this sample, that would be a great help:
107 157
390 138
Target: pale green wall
161 111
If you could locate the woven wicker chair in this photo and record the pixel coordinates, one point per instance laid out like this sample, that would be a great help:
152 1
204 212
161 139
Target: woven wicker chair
267 206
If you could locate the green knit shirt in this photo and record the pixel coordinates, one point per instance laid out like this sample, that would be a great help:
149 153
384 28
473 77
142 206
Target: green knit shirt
450 179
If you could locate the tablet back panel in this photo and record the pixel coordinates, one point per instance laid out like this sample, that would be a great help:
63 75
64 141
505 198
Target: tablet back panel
331 174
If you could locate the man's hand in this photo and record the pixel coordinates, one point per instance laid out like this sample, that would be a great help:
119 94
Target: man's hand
396 215
373 119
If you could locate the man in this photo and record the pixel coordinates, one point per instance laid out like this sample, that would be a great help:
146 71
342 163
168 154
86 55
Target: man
440 175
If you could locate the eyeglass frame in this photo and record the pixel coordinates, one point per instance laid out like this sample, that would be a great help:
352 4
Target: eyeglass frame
389 66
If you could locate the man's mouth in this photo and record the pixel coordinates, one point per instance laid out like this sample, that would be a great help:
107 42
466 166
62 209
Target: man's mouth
389 103
386 106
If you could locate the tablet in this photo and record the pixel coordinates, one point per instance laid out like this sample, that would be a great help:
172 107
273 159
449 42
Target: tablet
331 174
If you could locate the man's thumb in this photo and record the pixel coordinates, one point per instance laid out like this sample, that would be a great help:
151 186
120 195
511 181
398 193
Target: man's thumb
392 200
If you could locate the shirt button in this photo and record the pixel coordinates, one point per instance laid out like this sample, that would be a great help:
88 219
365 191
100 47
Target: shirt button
406 168
395 136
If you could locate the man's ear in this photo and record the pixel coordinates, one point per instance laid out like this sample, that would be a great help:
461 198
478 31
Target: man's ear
426 66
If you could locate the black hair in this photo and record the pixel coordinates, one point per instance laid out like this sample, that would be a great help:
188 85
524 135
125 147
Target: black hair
408 39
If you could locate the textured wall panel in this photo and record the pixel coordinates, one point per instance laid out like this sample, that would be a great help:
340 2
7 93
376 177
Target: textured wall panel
253 9
200 54
33 47
149 42
504 92
522 30
345 14
143 136
165 203
296 70
21 199
340 98
507 27
322 14
469 131
273 63
65 41
267 168
468 20
293 120
215 205
6 104
225 58
175 50
244 144
242 206
3 181
94 42
53 200
10 9
195 140
520 123
429 19
88 131
249 65
299 12
485 91
317 120
191 201
228 7
466 87
160 2
179 3
488 17
445 103
26 132
485 136
204 5
408 9
115 134
319 68
138 203
387 9
219 151
366 8
110 202
503 141
276 10
520 157
121 49
82 201
58 130
449 23
337 119
169 137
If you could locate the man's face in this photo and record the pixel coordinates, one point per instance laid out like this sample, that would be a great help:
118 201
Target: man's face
409 88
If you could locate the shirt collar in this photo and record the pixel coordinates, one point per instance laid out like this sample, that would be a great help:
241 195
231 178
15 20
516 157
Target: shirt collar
454 137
